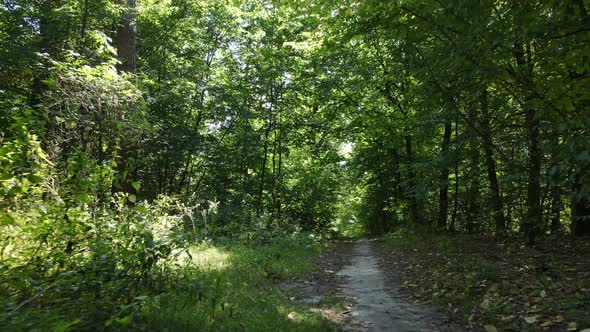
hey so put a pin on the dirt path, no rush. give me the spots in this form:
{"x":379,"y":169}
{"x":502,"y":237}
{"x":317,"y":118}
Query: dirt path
{"x":379,"y":304}
{"x":354,"y":273}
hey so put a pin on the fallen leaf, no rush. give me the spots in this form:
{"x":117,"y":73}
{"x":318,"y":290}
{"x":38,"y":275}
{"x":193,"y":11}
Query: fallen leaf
{"x":531,"y":319}
{"x":490,"y":328}
{"x":572,"y":326}
{"x":485,"y":304}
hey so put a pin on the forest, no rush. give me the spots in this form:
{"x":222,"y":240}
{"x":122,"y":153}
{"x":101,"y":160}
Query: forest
{"x":169,"y":165}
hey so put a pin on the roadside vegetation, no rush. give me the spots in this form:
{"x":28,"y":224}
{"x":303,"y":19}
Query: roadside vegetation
{"x":221,"y":286}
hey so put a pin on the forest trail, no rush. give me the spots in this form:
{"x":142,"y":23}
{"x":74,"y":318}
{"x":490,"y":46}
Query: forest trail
{"x":355,"y":273}
{"x":379,"y":304}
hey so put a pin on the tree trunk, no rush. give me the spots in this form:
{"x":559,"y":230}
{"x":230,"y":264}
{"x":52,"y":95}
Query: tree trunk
{"x":280,"y":170}
{"x":497,"y":204}
{"x":127,"y":37}
{"x":46,"y":42}
{"x":533,"y":221}
{"x":413,"y":201}
{"x":444,"y":179}
{"x":473,"y":194}
{"x":534,"y":216}
{"x":274,"y":176}
{"x":259,"y":207}
{"x":580,"y":209}
{"x":581,"y":217}
{"x":555,"y":190}
{"x":452,"y":226}
{"x":555,"y":209}
{"x":84,"y":24}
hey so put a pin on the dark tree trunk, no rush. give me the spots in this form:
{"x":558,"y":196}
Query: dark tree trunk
{"x":581,"y":217}
{"x":580,"y":209}
{"x":259,"y":206}
{"x":413,"y":201}
{"x":555,"y":190}
{"x":126,"y":42}
{"x":84,"y":24}
{"x":274,"y":176}
{"x":534,"y":216}
{"x":47,"y":42}
{"x":452,"y":226}
{"x":474,"y":186}
{"x":473,"y":195}
{"x":497,"y":204}
{"x":555,"y":209}
{"x":444,"y":179}
{"x":533,"y":221}
{"x":127,"y":37}
{"x":280,"y":171}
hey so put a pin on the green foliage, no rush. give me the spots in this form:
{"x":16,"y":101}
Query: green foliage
{"x":228,"y":287}
{"x":23,"y":165}
{"x":462,"y":117}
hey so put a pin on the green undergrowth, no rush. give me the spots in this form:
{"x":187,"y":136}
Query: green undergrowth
{"x":219,"y":285}
{"x":232,"y":287}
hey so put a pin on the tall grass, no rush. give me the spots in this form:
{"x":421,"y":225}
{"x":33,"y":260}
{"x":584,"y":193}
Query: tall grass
{"x":233,"y":287}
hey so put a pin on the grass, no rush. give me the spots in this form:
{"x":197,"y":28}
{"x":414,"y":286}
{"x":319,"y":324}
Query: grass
{"x":218,"y":286}
{"x":234,"y":288}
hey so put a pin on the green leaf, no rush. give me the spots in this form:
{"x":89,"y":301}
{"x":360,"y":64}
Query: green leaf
{"x":125,"y":320}
{"x":33,"y":178}
{"x":6,"y":219}
{"x":63,"y":326}
{"x":84,"y":198}
{"x":15,"y":190}
{"x":135,"y":185}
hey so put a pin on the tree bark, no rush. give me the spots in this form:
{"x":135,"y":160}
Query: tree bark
{"x":555,"y":210}
{"x":280,"y":171}
{"x":497,"y":204}
{"x":259,"y":207}
{"x":444,"y":179}
{"x":581,"y":217}
{"x":452,"y":226}
{"x":580,"y":209}
{"x":555,"y":190}
{"x":127,"y":37}
{"x":474,"y":186}
{"x":533,"y":221}
{"x":413,"y":202}
{"x":534,"y":216}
